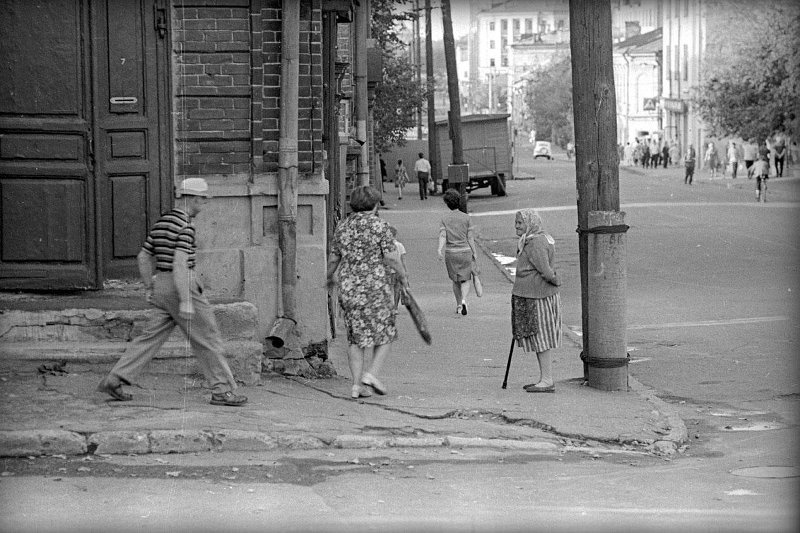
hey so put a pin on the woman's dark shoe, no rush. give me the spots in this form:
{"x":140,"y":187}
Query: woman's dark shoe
{"x":115,"y":391}
{"x":464,"y":309}
{"x":228,"y":398}
{"x":535,"y":387}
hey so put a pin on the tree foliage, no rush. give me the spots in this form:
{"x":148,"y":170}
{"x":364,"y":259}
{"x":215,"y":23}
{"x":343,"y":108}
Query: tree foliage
{"x":548,"y":98}
{"x":752,"y":85}
{"x":397,"y":96}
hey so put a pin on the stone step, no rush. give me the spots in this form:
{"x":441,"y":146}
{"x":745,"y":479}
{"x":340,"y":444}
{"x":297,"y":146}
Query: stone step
{"x":236,"y":320}
{"x":174,"y":357}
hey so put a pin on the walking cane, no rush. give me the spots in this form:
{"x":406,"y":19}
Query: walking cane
{"x":508,"y":366}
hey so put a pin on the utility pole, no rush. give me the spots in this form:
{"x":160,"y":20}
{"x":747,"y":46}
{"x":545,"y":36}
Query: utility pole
{"x":418,"y":53}
{"x":601,"y":228}
{"x":458,"y":172}
{"x":433,"y":141}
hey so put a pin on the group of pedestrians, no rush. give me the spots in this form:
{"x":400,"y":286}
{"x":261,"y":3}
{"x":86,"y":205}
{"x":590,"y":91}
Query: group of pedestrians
{"x":365,"y":264}
{"x":422,"y":171}
{"x":649,"y":153}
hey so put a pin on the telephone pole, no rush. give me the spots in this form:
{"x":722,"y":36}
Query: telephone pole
{"x":433,"y":141}
{"x":458,"y":172}
{"x":418,"y":61}
{"x":601,"y":228}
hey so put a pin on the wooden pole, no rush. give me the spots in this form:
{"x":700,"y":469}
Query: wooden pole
{"x":454,"y":117}
{"x":418,"y":62}
{"x":596,"y":161}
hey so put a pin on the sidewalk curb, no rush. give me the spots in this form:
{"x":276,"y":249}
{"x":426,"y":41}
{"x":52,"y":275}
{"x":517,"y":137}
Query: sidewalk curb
{"x":677,"y":434}
{"x":36,"y":443}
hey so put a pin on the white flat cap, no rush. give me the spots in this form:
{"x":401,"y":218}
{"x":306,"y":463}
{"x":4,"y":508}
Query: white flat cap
{"x":193,"y":187}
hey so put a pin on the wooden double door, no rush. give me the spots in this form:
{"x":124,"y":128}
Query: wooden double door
{"x":84,"y":138}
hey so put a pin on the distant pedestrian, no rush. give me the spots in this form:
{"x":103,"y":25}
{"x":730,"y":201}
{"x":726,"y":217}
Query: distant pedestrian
{"x":400,"y":178}
{"x":761,"y":172}
{"x":457,"y":249}
{"x":733,"y":158}
{"x":362,"y":254}
{"x":711,"y":159}
{"x":645,"y":155}
{"x":665,"y":154}
{"x":177,"y":296}
{"x":535,"y":299}
{"x":689,"y":161}
{"x":423,"y":169}
{"x":655,"y":154}
{"x":749,"y":154}
{"x":674,"y":153}
{"x":780,"y":156}
{"x":628,"y":154}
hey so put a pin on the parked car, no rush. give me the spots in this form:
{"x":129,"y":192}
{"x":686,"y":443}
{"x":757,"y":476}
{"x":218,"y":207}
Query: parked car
{"x":542,"y":149}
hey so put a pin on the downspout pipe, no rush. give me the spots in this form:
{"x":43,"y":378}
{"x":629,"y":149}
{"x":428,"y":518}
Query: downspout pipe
{"x":285,"y":324}
{"x":360,"y":89}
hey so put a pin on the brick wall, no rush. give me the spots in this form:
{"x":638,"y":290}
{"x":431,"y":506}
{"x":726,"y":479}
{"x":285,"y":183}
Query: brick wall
{"x":227,"y":61}
{"x":212,"y":107}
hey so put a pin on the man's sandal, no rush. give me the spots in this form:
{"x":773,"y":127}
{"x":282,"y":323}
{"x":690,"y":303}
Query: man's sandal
{"x":114,"y":392}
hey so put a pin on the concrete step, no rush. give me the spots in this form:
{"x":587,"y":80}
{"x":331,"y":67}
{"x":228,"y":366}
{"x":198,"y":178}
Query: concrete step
{"x":93,"y":339}
{"x":236,"y":320}
{"x":174,"y":357}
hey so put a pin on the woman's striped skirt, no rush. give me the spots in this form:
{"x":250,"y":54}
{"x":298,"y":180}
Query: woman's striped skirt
{"x":536,"y":322}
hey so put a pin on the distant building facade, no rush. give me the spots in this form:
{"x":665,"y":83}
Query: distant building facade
{"x":637,"y":80}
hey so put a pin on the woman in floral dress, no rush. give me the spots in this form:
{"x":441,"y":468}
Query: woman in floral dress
{"x":361,"y":250}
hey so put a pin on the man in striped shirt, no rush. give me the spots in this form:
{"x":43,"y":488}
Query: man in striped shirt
{"x":177,"y":295}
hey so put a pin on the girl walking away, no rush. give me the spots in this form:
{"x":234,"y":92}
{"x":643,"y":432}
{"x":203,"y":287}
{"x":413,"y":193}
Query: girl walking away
{"x":457,"y":248}
{"x":399,"y":291}
{"x":400,"y":178}
{"x":535,"y":299}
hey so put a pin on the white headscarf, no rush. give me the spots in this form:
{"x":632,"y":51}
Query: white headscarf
{"x":533,"y":227}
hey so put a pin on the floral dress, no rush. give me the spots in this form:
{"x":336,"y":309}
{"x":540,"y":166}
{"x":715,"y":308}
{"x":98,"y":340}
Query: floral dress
{"x":365,"y":290}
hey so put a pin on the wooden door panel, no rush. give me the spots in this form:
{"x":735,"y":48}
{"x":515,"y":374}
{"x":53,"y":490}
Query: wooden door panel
{"x":128,"y":152}
{"x":47,"y":214}
{"x":39,"y":79}
{"x":46,"y":180}
{"x":129,"y":207}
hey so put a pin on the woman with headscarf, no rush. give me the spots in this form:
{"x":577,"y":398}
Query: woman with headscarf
{"x":362,"y":249}
{"x":535,"y":300}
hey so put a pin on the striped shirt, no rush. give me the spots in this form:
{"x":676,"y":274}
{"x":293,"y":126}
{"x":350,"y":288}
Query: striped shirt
{"x":173,"y":231}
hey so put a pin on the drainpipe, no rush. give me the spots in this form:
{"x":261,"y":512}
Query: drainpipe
{"x":360,"y":92}
{"x":287,"y":173}
{"x":627,"y":57}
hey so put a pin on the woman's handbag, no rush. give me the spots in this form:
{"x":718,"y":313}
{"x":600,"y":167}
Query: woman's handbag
{"x":476,"y":282}
{"x":416,"y":316}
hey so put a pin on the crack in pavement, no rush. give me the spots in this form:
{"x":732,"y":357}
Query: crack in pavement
{"x":484,"y":415}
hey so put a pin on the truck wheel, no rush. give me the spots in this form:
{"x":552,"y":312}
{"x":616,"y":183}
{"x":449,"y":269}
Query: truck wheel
{"x":499,"y":185}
